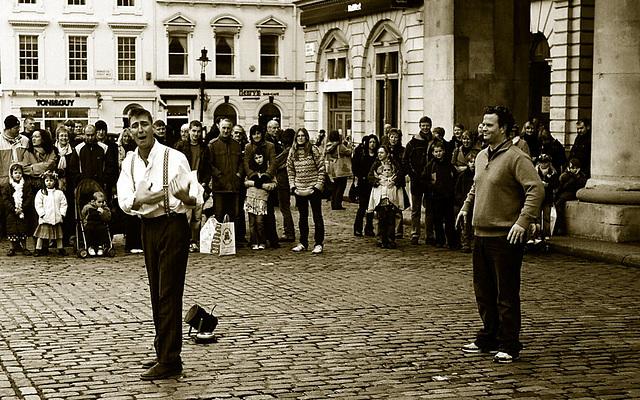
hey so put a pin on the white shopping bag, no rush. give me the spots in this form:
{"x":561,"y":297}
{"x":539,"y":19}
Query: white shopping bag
{"x":218,"y":237}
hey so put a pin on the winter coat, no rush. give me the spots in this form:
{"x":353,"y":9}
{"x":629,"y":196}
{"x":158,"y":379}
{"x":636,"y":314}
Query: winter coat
{"x":416,"y":156}
{"x":226,"y":165}
{"x":16,"y":225}
{"x":52,"y":207}
{"x":441,"y":177}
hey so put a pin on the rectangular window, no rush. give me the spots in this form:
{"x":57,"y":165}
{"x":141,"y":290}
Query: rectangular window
{"x":28,"y":57}
{"x":76,"y":2}
{"x":178,"y":55}
{"x":77,"y":58}
{"x":26,"y":1}
{"x":224,"y":54}
{"x":337,"y":68}
{"x":126,"y":3}
{"x":269,"y":55}
{"x":126,"y":58}
{"x":387,"y":63}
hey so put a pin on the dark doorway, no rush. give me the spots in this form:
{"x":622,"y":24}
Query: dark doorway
{"x":539,"y":79}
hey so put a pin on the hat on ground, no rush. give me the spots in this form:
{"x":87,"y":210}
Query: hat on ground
{"x":11,"y":121}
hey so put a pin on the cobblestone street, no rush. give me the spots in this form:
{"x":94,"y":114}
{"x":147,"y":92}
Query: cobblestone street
{"x":356,"y":322}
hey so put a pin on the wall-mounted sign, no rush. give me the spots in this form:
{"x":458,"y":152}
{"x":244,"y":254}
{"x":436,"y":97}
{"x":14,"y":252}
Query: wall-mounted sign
{"x":103,"y":74}
{"x":55,"y":102}
{"x":354,"y":7}
{"x":249,"y":92}
{"x":310,"y":49}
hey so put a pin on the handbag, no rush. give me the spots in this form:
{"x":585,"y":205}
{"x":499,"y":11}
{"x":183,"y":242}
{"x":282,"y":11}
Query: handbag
{"x":353,"y":192}
{"x":340,"y":166}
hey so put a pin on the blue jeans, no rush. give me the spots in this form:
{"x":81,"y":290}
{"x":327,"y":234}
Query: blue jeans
{"x":496,"y":282}
{"x":419,"y":200}
{"x":303,"y":202}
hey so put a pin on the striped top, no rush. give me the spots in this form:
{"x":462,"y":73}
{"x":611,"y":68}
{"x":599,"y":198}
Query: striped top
{"x":306,"y":172}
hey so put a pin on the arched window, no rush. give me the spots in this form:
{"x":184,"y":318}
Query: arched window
{"x":267,"y":113}
{"x":225,"y":111}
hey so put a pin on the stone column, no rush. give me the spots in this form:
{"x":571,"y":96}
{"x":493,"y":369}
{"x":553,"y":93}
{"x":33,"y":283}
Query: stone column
{"x":609,"y":206}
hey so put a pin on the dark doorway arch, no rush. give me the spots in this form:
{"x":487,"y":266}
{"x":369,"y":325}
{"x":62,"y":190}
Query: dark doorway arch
{"x":539,"y":79}
{"x":225,"y":110}
{"x":267,"y":113}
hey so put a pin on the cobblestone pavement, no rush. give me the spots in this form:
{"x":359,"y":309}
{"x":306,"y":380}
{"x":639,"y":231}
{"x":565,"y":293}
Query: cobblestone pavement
{"x":356,"y":322}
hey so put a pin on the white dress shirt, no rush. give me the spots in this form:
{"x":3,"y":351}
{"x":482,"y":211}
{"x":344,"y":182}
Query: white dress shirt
{"x":153,"y":174}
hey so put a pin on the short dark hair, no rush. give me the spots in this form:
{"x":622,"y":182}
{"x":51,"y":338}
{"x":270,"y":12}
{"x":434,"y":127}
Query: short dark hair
{"x":139,"y":112}
{"x":195,"y":123}
{"x":287,"y":136}
{"x":425,"y":119}
{"x":575,"y":162}
{"x":585,"y":121}
{"x":505,"y":118}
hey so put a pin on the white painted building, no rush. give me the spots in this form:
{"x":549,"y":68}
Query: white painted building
{"x":94,"y":59}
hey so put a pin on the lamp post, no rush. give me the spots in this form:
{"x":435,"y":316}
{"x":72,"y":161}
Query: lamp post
{"x":204,"y":60}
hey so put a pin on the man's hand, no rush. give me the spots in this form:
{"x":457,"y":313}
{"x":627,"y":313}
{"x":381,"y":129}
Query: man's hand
{"x":516,"y":234}
{"x":461,"y":219}
{"x":144,"y":195}
{"x":179,"y":188}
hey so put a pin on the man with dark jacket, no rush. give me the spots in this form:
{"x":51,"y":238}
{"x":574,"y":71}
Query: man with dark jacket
{"x":416,"y":156}
{"x":581,"y":148}
{"x":226,"y":173}
{"x":92,"y":161}
{"x":112,"y":155}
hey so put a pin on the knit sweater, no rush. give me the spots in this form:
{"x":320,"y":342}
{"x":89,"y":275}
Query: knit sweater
{"x":307,"y":171}
{"x":506,"y":190}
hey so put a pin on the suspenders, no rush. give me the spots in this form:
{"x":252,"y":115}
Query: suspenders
{"x":165,"y":179}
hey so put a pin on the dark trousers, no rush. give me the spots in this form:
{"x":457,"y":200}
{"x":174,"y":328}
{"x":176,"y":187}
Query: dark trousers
{"x":165,"y":241}
{"x":227,"y":204}
{"x":337,"y":195}
{"x":132,"y":228}
{"x":303,"y":202}
{"x":496,"y":282}
{"x":241,"y":223}
{"x":270,"y":220}
{"x":387,"y":223}
{"x":284,"y":201}
{"x":444,"y":221}
{"x":256,"y":229}
{"x":364,"y":192}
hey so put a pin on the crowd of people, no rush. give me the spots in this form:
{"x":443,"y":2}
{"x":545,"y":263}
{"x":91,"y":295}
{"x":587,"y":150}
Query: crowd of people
{"x":247,"y":176}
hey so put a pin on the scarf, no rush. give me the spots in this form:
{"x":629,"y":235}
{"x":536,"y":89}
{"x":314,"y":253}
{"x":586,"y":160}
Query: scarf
{"x":11,"y":140}
{"x":17,"y":194}
{"x":63,"y":151}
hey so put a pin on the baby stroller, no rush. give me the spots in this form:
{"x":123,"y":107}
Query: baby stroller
{"x":83,"y":194}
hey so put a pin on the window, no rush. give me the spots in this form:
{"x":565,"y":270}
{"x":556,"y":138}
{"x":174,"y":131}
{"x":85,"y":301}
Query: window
{"x":26,"y":1}
{"x":126,"y":3}
{"x":224,"y":54}
{"x":269,"y":55}
{"x":337,"y":68}
{"x":387,"y":88}
{"x":77,"y":58}
{"x":178,"y":55}
{"x":77,"y":2}
{"x":126,"y":58}
{"x":28,"y":57}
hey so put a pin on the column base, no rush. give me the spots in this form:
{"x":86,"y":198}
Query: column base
{"x":607,"y":222}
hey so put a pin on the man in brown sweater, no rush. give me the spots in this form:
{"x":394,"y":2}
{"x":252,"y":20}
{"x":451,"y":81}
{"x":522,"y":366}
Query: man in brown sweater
{"x":506,"y":197}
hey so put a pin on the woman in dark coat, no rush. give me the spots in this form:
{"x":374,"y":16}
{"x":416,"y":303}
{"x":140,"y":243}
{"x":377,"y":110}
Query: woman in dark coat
{"x":363,"y":158}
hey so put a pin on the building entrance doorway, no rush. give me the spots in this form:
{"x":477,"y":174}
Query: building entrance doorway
{"x":539,"y":79}
{"x":340,"y":113}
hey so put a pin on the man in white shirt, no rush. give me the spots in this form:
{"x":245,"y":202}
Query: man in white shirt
{"x":155,"y":184}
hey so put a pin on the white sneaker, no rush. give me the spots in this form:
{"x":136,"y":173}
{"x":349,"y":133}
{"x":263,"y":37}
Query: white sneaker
{"x":317,"y":249}
{"x":261,"y":247}
{"x":300,"y":247}
{"x":100,"y":251}
{"x":255,"y":247}
{"x":92,"y":251}
{"x":136,"y":251}
{"x":505,"y":358}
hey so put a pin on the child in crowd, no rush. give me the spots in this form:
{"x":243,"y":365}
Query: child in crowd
{"x":571,"y":181}
{"x":387,"y":197}
{"x":51,"y":207}
{"x":17,"y":197}
{"x":258,"y":187}
{"x":441,"y":176}
{"x":463,"y":185}
{"x":95,"y":216}
{"x":550,"y":180}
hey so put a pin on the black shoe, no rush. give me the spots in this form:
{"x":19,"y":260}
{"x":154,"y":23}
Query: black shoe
{"x":338,"y":208}
{"x":357,"y":233}
{"x":287,"y":239}
{"x":274,"y":245}
{"x":162,"y":371}
{"x":36,"y":252}
{"x":26,"y":252}
{"x":63,"y":252}
{"x":393,"y":245}
{"x":149,"y":362}
{"x":11,"y":252}
{"x":369,"y":233}
{"x":414,"y":241}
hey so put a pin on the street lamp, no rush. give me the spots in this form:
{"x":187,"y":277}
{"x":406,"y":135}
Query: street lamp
{"x":204,"y":60}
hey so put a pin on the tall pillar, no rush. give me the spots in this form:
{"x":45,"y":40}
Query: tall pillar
{"x":476,"y":53}
{"x":610,"y":204}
